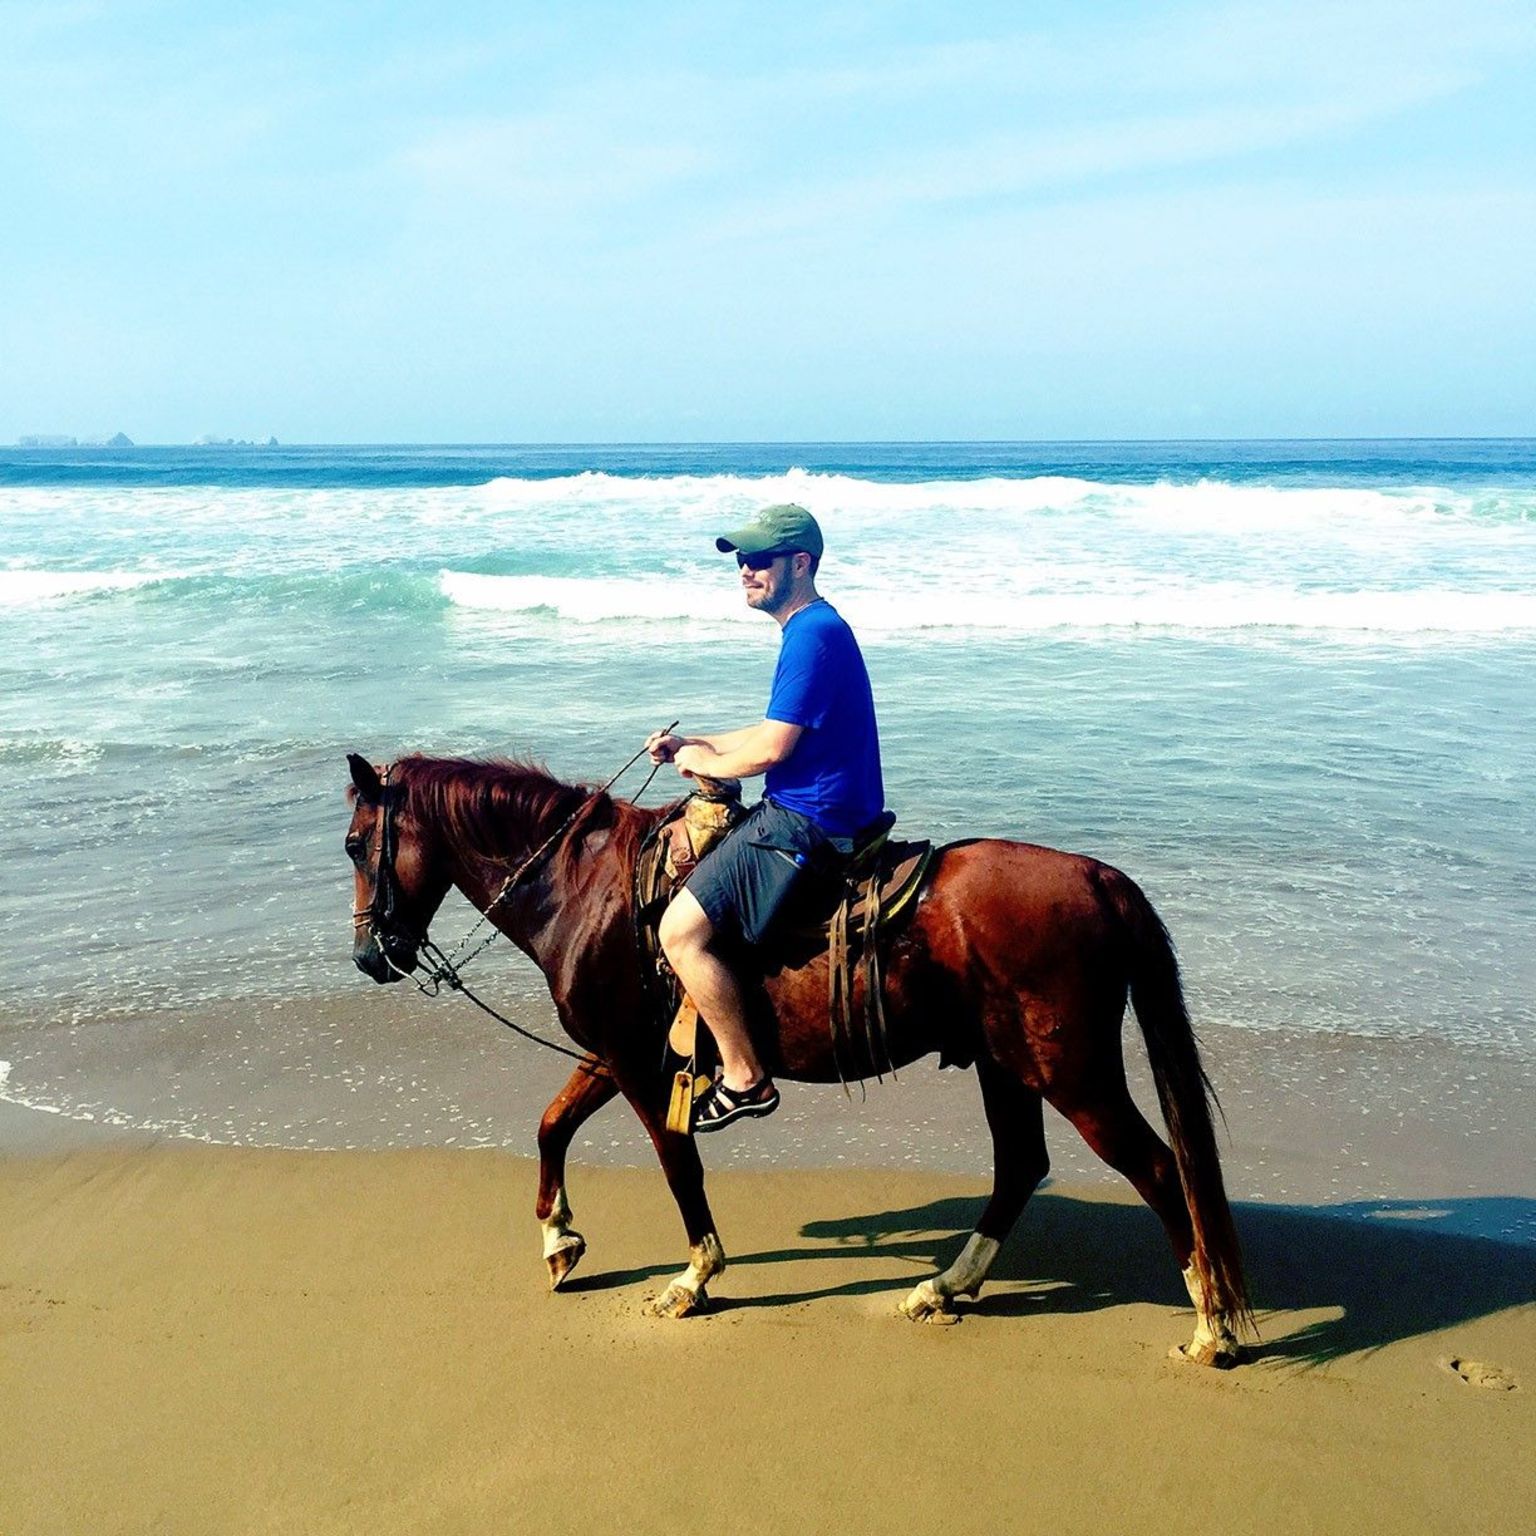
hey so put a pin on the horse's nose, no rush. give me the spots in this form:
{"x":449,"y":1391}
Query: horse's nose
{"x":369,"y":959}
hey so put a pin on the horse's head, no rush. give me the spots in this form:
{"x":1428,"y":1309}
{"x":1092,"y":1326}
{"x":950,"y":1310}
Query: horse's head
{"x":398,"y":886}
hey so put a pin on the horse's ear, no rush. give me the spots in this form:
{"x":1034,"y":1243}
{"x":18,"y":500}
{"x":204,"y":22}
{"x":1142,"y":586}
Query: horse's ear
{"x":365,"y":777}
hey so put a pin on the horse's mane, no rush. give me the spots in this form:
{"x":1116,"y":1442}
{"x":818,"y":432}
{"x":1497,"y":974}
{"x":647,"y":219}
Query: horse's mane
{"x":488,"y":806}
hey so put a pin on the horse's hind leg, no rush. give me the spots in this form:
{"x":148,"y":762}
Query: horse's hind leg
{"x":1109,"y":1121}
{"x":589,"y":1087}
{"x":1020,"y":1161}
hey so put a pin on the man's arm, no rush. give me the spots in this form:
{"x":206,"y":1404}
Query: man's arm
{"x":663,"y":747}
{"x":723,"y":741}
{"x":739,"y":754}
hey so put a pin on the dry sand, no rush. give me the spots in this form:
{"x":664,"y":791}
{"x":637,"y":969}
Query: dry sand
{"x":223,"y":1340}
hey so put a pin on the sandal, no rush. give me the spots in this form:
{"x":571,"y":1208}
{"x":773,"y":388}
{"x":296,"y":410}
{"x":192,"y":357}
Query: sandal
{"x":718,"y":1105}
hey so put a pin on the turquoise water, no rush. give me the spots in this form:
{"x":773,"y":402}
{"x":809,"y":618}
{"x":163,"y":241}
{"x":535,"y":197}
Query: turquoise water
{"x":1286,"y":686}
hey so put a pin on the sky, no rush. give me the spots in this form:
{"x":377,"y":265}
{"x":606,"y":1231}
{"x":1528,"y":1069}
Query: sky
{"x":639,"y":222}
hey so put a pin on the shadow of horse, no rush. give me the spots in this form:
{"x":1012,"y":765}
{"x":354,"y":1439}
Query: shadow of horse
{"x":1382,"y":1271}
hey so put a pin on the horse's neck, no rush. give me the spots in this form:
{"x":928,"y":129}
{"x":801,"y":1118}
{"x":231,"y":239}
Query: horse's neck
{"x":482,"y":877}
{"x":538,"y":911}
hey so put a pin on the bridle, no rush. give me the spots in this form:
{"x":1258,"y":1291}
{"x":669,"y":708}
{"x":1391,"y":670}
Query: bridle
{"x":379,"y":914}
{"x":383,"y":923}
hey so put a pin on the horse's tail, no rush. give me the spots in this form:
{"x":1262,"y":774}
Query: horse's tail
{"x":1185,"y":1095}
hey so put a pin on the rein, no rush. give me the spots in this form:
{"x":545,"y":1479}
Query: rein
{"x":446,"y":968}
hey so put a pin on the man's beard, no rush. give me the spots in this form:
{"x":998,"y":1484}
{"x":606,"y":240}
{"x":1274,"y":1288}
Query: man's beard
{"x":771,"y":599}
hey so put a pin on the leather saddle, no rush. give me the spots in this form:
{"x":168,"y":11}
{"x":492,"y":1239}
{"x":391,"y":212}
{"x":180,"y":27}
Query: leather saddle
{"x":870,"y":893}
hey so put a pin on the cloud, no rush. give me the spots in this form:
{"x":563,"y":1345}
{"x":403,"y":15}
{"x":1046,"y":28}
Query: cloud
{"x":862,"y":137}
{"x":550,"y":162}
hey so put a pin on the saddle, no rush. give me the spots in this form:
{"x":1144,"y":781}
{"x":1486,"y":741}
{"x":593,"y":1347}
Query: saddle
{"x":868,"y":895}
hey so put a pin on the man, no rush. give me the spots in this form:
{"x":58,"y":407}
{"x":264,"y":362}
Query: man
{"x":818,"y":747}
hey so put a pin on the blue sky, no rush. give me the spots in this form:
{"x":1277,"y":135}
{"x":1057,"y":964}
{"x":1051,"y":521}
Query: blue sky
{"x":602,"y":222}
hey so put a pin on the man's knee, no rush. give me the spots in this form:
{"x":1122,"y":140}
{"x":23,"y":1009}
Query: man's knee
{"x":685,"y":927}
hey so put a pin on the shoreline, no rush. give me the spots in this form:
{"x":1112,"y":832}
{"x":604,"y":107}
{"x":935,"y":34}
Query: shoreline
{"x":1324,"y":1123}
{"x":256,"y":1340}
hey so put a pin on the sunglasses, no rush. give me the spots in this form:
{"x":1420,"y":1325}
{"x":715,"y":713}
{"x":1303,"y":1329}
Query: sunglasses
{"x":762,"y":562}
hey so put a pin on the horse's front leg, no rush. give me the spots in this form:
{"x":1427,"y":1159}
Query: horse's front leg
{"x":687,"y":1293}
{"x":590,"y":1086}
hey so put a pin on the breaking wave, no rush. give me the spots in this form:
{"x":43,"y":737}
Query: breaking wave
{"x":1222,"y":504}
{"x":1195,"y":608}
{"x":876,"y":599}
{"x":325,"y":591}
{"x":20,"y":589}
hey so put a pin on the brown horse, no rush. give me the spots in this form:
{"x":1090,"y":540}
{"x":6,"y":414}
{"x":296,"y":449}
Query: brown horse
{"x":1016,"y":957}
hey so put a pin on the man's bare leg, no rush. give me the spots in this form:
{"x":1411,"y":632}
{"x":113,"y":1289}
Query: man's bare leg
{"x":685,"y":935}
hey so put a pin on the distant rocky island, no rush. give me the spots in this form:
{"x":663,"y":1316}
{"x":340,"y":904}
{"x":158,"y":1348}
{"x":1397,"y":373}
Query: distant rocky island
{"x":122,"y":440}
{"x":59,"y":440}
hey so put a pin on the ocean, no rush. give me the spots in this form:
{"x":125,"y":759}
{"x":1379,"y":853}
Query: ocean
{"x":1285,"y":685}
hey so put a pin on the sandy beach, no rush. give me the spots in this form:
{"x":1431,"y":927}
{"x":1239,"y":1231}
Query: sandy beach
{"x":204,"y":1339}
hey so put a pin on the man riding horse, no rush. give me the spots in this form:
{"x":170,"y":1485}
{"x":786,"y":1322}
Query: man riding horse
{"x":819,"y":750}
{"x":1017,"y":959}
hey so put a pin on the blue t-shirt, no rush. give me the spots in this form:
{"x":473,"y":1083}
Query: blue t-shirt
{"x":820,"y":683}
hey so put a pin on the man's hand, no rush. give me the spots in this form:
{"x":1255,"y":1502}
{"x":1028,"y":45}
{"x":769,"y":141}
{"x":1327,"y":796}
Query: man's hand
{"x":693,"y":758}
{"x":662,"y":746}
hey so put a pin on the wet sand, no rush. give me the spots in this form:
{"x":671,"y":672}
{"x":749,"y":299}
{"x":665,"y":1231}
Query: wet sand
{"x":220,"y":1339}
{"x":1329,"y":1123}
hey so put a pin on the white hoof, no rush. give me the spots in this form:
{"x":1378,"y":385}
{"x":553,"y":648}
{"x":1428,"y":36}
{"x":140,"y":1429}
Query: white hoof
{"x":564,"y":1255}
{"x":1220,"y":1357}
{"x":1215,"y":1343}
{"x":927,"y":1304}
{"x":933,"y":1300}
{"x":686,"y":1295}
{"x":678,"y":1301}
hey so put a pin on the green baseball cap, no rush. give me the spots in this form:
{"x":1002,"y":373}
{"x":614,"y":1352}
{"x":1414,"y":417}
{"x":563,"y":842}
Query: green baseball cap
{"x":779,"y":530}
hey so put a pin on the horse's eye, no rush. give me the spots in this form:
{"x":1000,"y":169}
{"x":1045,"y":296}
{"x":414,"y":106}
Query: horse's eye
{"x":355,"y":847}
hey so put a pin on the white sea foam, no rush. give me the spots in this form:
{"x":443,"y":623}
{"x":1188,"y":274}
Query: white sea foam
{"x":845,"y":493}
{"x":21,"y":587}
{"x":351,"y":511}
{"x":1204,"y":504}
{"x":588,"y":600}
{"x":875,"y":609}
{"x":65,"y":751}
{"x":183,"y":1128}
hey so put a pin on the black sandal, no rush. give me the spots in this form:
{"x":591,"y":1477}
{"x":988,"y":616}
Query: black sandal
{"x":718,"y":1105}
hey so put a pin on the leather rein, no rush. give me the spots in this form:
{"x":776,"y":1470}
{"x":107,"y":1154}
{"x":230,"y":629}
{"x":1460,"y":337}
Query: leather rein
{"x":382,"y":922}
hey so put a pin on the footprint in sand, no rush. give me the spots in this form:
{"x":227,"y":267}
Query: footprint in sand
{"x":1478,"y":1374}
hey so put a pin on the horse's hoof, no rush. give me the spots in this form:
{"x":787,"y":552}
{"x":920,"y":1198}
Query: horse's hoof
{"x":926,"y":1305}
{"x":1218,"y":1357}
{"x":678,"y":1301}
{"x":567,"y":1255}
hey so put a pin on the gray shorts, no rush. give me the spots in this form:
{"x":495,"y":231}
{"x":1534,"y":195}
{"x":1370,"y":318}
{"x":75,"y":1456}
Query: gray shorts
{"x":745,"y":882}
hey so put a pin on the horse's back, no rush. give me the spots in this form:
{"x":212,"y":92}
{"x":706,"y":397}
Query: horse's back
{"x":1027,"y":887}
